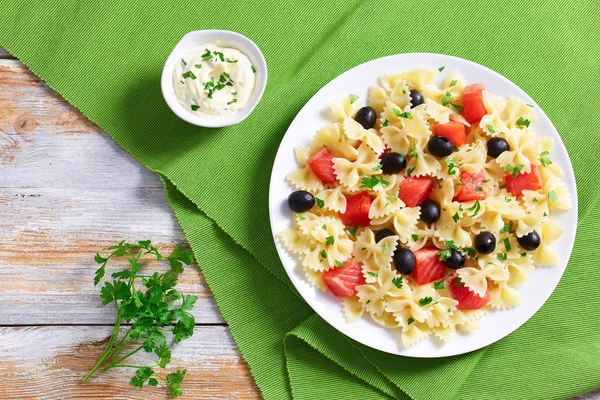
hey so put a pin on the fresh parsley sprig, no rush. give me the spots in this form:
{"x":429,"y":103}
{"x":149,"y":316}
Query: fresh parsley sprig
{"x":146,"y":302}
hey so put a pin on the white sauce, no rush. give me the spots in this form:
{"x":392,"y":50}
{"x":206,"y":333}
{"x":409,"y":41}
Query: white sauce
{"x":211,"y":81}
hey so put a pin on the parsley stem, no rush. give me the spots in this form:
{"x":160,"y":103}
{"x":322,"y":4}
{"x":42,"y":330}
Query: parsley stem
{"x":108,"y":350}
{"x":159,"y":377}
{"x":115,"y":363}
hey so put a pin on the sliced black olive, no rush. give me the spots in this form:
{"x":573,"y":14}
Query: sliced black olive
{"x":456,"y":260}
{"x":301,"y":201}
{"x":416,"y":98}
{"x":439,"y":146}
{"x":497,"y":146}
{"x":392,"y":163}
{"x":430,"y":211}
{"x":531,"y":241}
{"x":382,"y":234}
{"x":485,"y":242}
{"x":404,"y":261}
{"x":366,"y":116}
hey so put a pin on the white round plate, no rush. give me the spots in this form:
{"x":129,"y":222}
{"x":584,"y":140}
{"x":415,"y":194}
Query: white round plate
{"x":495,"y":324}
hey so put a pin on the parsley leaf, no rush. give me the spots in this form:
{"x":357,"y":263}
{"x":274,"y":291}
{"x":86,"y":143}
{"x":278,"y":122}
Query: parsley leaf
{"x":451,"y":166}
{"x":523,"y":122}
{"x":415,"y":237}
{"x":410,"y":321}
{"x":323,"y":253}
{"x":207,"y":55}
{"x":507,"y":244}
{"x":508,"y":228}
{"x":329,"y":241}
{"x":545,"y":160}
{"x":441,"y":69}
{"x":514,"y":170}
{"x":552,"y":196}
{"x":409,"y":171}
{"x":198,"y":66}
{"x":372,"y":274}
{"x":352,"y":231}
{"x":446,"y":99}
{"x":377,"y":168}
{"x":425,"y":301}
{"x":438,"y":285}
{"x":385,"y":122}
{"x":475,"y":208}
{"x":453,"y":83}
{"x":456,"y":217}
{"x":253,"y":69}
{"x":320,"y":202}
{"x":405,"y":114}
{"x":372,"y":181}
{"x":339,"y":264}
{"x":470,"y":252}
{"x":490,"y":128}
{"x":353,"y":98}
{"x":195,"y":107}
{"x":189,"y":74}
{"x":502,"y":256}
{"x":397,"y":282}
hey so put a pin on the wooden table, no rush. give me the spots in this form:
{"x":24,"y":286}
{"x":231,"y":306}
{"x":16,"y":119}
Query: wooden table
{"x":66,"y":191}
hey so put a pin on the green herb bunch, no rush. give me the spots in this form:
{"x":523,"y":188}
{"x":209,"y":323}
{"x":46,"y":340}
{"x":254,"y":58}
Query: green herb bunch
{"x":152,"y":307}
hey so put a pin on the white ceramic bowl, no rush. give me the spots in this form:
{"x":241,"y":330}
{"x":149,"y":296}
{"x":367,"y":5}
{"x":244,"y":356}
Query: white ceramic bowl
{"x":494,"y":325}
{"x":225,"y":39}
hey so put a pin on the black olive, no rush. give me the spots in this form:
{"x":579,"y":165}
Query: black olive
{"x":300,"y":201}
{"x":531,"y":241}
{"x":416,"y":98}
{"x":456,"y":260}
{"x":439,"y":146}
{"x":392,"y":163}
{"x":366,"y":116}
{"x":485,"y":242}
{"x":497,"y":146}
{"x":430,"y":211}
{"x":382,"y":234}
{"x":404,"y":260}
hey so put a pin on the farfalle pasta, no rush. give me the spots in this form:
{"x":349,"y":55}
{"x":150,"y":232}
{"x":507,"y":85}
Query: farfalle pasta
{"x":426,"y":208}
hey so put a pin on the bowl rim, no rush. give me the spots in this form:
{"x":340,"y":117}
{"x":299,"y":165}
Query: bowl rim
{"x":231,"y":39}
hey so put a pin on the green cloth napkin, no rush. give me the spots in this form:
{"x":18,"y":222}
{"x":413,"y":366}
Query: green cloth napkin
{"x":106,"y":59}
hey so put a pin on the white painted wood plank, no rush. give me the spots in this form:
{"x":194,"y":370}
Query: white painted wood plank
{"x":47,"y":363}
{"x":44,"y":142}
{"x":48,"y":238}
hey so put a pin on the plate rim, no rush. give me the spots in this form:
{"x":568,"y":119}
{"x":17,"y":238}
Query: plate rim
{"x":568,"y":175}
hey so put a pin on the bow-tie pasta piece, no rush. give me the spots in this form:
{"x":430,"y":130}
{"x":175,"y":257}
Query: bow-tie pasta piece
{"x":332,"y":138}
{"x":346,"y":107}
{"x":303,"y":178}
{"x":370,"y":137}
{"x":349,"y":173}
{"x":374,"y":254}
{"x":333,"y":199}
{"x":477,"y":279}
{"x":392,"y":88}
{"x":518,"y":114}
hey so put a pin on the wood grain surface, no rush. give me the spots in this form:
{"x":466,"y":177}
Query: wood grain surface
{"x":66,"y":191}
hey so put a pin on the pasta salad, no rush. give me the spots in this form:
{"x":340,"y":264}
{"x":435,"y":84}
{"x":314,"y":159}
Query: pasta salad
{"x":427,"y":207}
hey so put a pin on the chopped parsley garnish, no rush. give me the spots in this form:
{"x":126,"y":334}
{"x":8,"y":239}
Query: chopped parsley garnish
{"x":363,"y":248}
{"x":485,"y":180}
{"x":459,"y":283}
{"x":352,"y":231}
{"x":368,"y":301}
{"x":415,"y":237}
{"x":385,"y":122}
{"x":353,"y":98}
{"x":552,"y":196}
{"x":410,"y":321}
{"x":452,"y":83}
{"x":385,"y":247}
{"x":198,"y":66}
{"x":446,"y":99}
{"x":545,"y":214}
{"x":371,"y":181}
{"x":438,"y":285}
{"x":508,"y":228}
{"x":535,"y":200}
{"x":195,"y":107}
{"x":397,"y":282}
{"x":405,"y":114}
{"x":451,"y":166}
{"x":502,"y":256}
{"x":372,"y":274}
{"x":183,"y":62}
{"x":253,"y":69}
{"x":339,"y":263}
{"x":456,"y":217}
{"x":441,"y":69}
{"x":507,"y":244}
{"x":545,"y":160}
{"x":529,"y":105}
{"x":514,"y":170}
{"x":383,"y":299}
{"x":301,"y":217}
{"x":478,"y":188}
{"x":455,"y":108}
{"x":220,"y":55}
{"x":447,"y":253}
{"x":475,"y":208}
{"x":403,"y":91}
{"x":211,"y":86}
{"x":377,"y":168}
{"x":470,"y":252}
{"x":329,"y":241}
{"x":231,"y":61}
{"x":324,"y":253}
{"x":409,"y":171}
{"x":523,"y":254}
{"x":207,"y":55}
{"x":320,"y":202}
{"x":523,"y":122}
{"x":189,"y":74}
{"x":233,"y":93}
{"x":232,"y":101}
{"x":324,"y":227}
{"x":490,"y":128}
{"x":425,"y":300}
{"x":507,"y":199}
